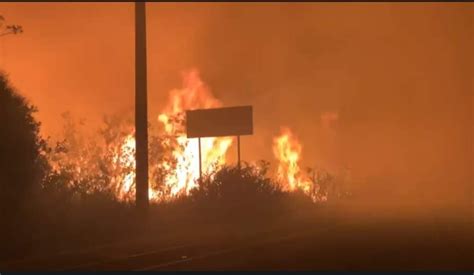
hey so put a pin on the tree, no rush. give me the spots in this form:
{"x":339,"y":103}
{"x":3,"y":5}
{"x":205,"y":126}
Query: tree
{"x":22,"y":163}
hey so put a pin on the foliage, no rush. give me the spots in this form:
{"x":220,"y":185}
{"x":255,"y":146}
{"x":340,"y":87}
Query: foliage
{"x":22,"y":162}
{"x":330,"y":186}
{"x":79,"y":163}
{"x":102,"y":161}
{"x":9,"y":29}
{"x":229,"y":182}
{"x":76,"y":180}
{"x":23,"y":165}
{"x":241,"y":194}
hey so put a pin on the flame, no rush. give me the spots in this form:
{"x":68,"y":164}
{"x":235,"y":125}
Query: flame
{"x":182,"y":169}
{"x":193,"y":95}
{"x":287,"y":151}
{"x":182,"y":172}
{"x":126,"y":160}
{"x":174,"y":161}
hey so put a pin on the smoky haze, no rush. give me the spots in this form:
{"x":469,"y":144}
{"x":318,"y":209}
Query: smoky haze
{"x":385,"y":88}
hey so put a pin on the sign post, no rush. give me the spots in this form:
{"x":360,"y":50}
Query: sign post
{"x":231,"y":121}
{"x":200,"y":162}
{"x":238,"y":151}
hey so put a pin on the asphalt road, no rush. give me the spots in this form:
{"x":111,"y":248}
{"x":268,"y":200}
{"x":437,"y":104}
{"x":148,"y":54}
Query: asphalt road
{"x":340,"y":244}
{"x":343,"y":249}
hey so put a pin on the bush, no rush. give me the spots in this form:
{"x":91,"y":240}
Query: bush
{"x":21,"y":162}
{"x":246,"y":194}
{"x":67,"y":192}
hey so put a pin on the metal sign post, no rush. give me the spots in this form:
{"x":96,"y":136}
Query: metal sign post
{"x":238,"y":151}
{"x":200,"y":163}
{"x":231,"y":121}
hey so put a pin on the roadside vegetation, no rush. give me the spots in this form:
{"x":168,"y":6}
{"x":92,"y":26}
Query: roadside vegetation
{"x":63,"y":194}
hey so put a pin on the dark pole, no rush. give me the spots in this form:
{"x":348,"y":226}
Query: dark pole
{"x":141,"y":121}
{"x":200,"y":165}
{"x":238,"y":152}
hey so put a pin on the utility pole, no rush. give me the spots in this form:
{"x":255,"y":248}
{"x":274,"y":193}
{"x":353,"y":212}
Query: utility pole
{"x":141,"y":110}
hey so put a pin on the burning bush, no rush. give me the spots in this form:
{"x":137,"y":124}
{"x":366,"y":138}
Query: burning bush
{"x":106,"y":163}
{"x":90,"y":178}
{"x":83,"y":165}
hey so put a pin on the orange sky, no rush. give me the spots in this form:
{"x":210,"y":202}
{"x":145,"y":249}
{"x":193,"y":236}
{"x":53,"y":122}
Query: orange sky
{"x":398,"y":74}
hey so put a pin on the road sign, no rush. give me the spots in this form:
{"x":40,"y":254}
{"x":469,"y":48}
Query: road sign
{"x":231,"y":121}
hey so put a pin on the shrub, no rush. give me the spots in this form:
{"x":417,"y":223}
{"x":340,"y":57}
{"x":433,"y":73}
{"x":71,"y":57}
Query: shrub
{"x":21,"y":162}
{"x":235,"y":194}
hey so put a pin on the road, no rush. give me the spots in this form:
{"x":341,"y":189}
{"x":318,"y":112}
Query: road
{"x":339,"y":244}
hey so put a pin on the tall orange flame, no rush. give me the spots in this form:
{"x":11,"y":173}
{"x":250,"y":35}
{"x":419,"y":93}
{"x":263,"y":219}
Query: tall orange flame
{"x":287,"y":150}
{"x":193,"y":95}
{"x":182,"y":172}
{"x":174,"y":163}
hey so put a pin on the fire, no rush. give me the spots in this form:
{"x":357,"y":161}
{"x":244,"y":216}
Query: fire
{"x":173,"y":160}
{"x":126,"y":159}
{"x":193,"y":95}
{"x":182,"y":171}
{"x":287,"y":151}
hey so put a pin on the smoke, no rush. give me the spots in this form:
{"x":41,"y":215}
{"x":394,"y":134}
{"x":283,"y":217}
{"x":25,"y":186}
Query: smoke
{"x":382,"y":89}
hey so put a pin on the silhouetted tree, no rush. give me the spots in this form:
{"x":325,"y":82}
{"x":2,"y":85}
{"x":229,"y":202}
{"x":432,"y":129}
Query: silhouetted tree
{"x":21,"y":161}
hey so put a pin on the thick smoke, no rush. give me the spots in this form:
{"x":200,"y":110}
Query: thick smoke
{"x":398,"y":77}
